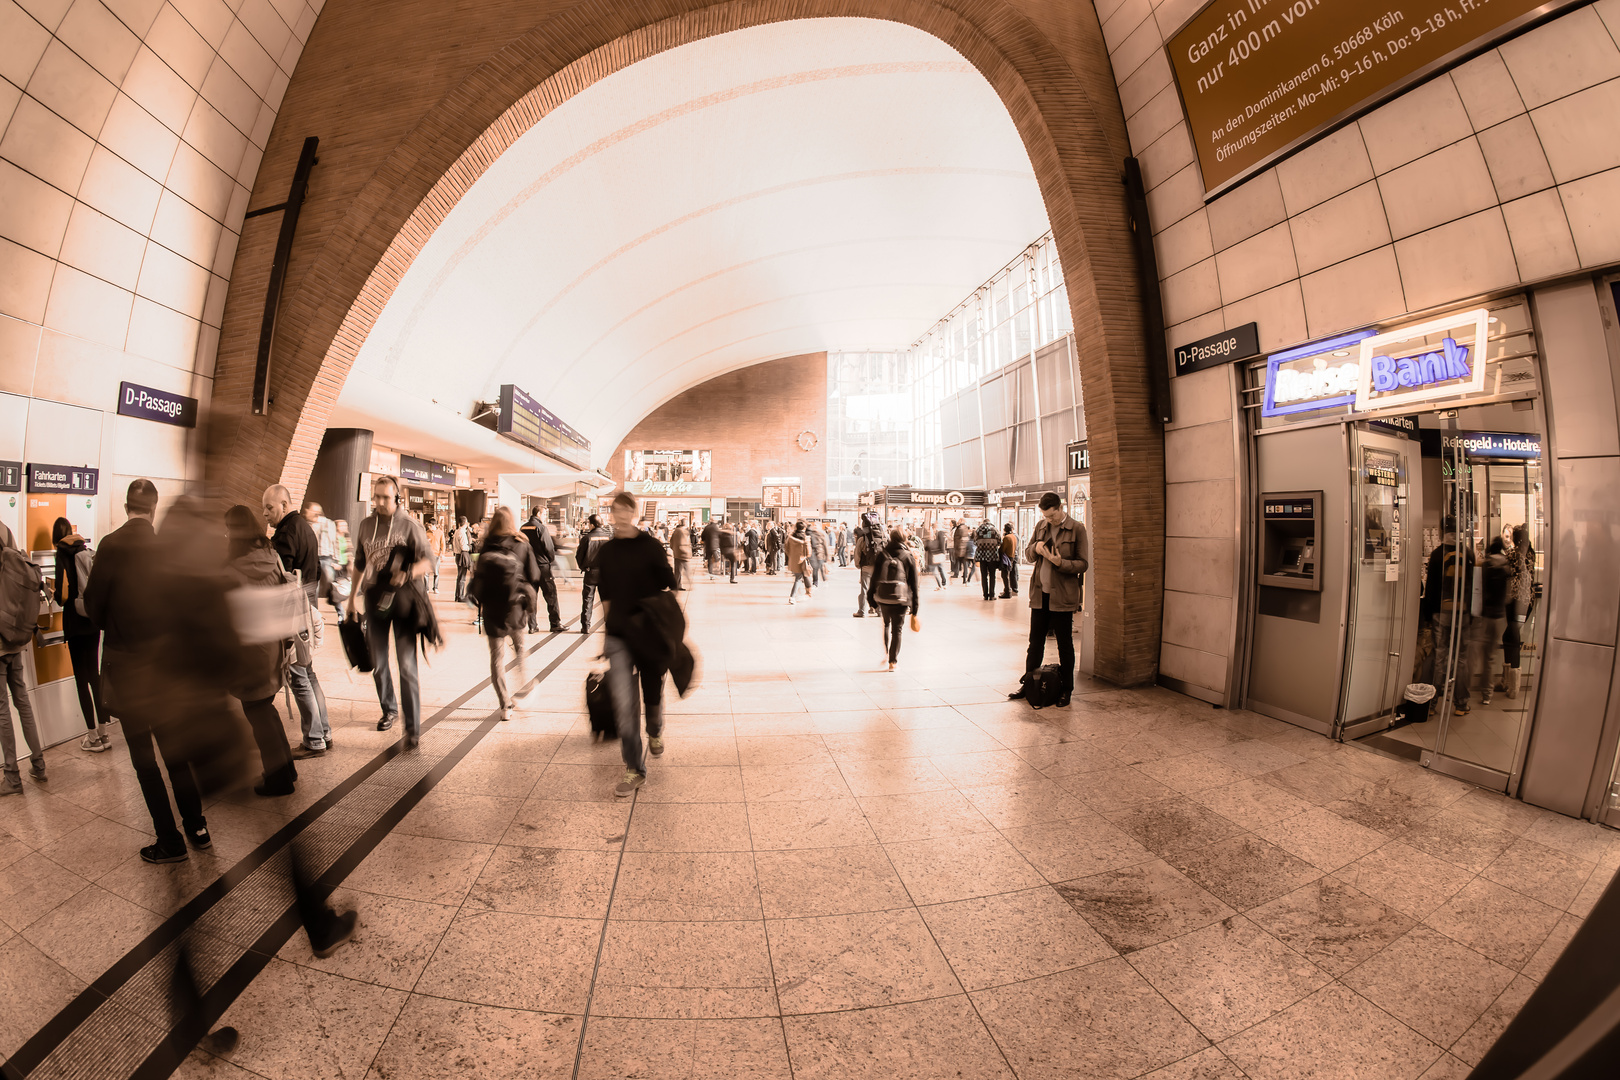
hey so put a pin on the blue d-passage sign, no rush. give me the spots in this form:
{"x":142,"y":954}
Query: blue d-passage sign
{"x":160,"y":405}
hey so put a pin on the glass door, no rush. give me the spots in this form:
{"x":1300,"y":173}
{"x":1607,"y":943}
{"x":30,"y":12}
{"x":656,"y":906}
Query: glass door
{"x":1488,"y":642}
{"x":1383,"y":581}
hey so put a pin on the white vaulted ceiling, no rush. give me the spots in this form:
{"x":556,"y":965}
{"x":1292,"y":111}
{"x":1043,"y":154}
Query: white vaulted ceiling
{"x":810,"y":185}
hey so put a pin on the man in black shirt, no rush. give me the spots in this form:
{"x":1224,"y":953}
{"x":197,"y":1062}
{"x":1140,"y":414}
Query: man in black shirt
{"x":538,"y":534}
{"x":631,"y":567}
{"x":300,"y":550}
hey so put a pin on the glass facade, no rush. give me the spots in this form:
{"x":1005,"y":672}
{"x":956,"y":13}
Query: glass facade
{"x":869,"y":421}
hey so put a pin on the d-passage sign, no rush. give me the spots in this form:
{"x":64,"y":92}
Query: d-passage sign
{"x":1259,"y":78}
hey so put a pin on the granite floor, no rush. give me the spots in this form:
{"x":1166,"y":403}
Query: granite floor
{"x":836,"y":871}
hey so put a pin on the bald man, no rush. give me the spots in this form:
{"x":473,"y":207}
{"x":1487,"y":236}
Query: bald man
{"x":295,"y":542}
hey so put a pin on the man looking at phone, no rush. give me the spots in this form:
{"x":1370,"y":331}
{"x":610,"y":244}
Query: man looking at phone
{"x":1058,"y":549}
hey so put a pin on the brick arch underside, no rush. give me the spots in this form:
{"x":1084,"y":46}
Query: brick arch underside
{"x":1067,"y":113}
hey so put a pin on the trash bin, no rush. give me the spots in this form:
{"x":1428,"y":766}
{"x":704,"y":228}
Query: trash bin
{"x":1414,"y":708}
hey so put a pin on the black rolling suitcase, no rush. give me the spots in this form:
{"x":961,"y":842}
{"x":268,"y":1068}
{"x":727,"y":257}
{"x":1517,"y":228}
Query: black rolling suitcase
{"x":599,"y":703}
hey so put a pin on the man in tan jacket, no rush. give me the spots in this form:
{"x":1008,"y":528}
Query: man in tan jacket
{"x":1059,"y":551}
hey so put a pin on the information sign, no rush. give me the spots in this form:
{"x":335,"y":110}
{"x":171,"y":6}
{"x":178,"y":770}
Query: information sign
{"x":526,"y":421}
{"x":148,"y":403}
{"x":63,"y":479}
{"x":1238,"y":343}
{"x":10,"y":476}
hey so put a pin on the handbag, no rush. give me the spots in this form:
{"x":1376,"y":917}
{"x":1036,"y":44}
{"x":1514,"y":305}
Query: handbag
{"x":916,"y":626}
{"x":355,"y":646}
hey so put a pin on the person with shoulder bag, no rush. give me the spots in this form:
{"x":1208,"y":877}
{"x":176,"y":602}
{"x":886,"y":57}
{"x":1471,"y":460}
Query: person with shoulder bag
{"x":74,"y":562}
{"x":504,"y":585}
{"x":893,"y":591}
{"x":461,"y":544}
{"x":391,"y":557}
{"x":590,"y":541}
{"x":294,"y":540}
{"x":22,"y":590}
{"x":987,"y":552}
{"x":262,"y":667}
{"x":1059,"y":549}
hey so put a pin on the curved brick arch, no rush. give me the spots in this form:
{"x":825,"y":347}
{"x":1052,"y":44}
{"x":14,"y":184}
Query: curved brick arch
{"x":1047,"y":63}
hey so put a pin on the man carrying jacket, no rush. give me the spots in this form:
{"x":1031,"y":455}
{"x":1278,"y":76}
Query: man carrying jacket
{"x":538,"y":534}
{"x":300,"y":550}
{"x":1059,"y":551}
{"x":125,"y":601}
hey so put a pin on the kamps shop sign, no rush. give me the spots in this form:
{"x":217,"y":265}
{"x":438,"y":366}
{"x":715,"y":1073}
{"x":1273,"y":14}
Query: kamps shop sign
{"x":1368,"y":371}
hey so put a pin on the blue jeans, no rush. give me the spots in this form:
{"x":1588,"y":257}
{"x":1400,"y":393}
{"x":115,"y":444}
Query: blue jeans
{"x":312,"y":720}
{"x":622,"y":677}
{"x":11,"y":667}
{"x":409,"y":692}
{"x":866,"y":584}
{"x":800,"y":576}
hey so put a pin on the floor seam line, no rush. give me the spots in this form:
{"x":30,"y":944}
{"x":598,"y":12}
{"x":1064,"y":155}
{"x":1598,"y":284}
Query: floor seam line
{"x":601,"y":941}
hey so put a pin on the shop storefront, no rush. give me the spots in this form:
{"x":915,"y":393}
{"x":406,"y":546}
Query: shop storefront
{"x":1376,"y":456}
{"x":1022,"y":506}
{"x":923,"y":508}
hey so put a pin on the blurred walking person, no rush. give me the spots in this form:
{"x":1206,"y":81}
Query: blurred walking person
{"x":461,"y":546}
{"x":818,"y":552}
{"x":680,"y":548}
{"x":751,"y":548}
{"x":22,"y":592}
{"x":538,"y":533}
{"x":504,"y":585}
{"x":326,"y":537}
{"x":259,"y":673}
{"x":435,"y":535}
{"x":798,"y":561}
{"x":775,"y":541}
{"x":299,"y":550}
{"x":590,"y":542}
{"x":893,"y":590}
{"x":729,"y":550}
{"x":74,"y":561}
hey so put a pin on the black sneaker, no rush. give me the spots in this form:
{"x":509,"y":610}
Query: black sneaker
{"x":385,"y":723}
{"x":301,"y":752}
{"x":556,"y":628}
{"x":1063,"y":702}
{"x":199,"y":837}
{"x":272,"y":791}
{"x":157,"y":853}
{"x":220,"y":1042}
{"x":338,"y":932}
{"x":1016,"y":695}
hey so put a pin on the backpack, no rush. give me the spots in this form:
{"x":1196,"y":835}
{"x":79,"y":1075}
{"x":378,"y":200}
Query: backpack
{"x":1043,"y":686}
{"x":1454,"y":585}
{"x":893,"y":587}
{"x":22,"y":587}
{"x":988,"y":545}
{"x":499,"y":587}
{"x":83,"y":562}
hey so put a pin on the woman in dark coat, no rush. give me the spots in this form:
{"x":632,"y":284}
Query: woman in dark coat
{"x":893,"y":590}
{"x":83,"y":639}
{"x":504,"y":585}
{"x":260,"y":670}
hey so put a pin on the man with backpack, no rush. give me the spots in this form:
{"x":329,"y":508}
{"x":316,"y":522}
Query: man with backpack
{"x":893,"y":591}
{"x":1059,"y":550}
{"x":22,"y":587}
{"x":987,"y":552}
{"x":590,"y":542}
{"x":538,"y":534}
{"x":1447,"y":595}
{"x":300,"y":551}
{"x":867,"y":543}
{"x":504,"y":587}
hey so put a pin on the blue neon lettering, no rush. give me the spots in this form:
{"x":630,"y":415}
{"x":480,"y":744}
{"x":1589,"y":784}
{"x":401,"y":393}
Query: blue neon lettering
{"x":1450,"y":362}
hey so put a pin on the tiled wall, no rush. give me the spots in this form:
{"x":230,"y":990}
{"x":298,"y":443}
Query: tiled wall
{"x":130,"y":134}
{"x":1504,"y":170}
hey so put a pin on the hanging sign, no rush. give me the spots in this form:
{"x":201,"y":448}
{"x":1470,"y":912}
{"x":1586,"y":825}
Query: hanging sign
{"x":65,"y":479}
{"x":160,"y":405}
{"x":1079,"y":458}
{"x":10,"y":476}
{"x":1321,"y":375}
{"x":1239,"y":343}
{"x":1494,"y":444}
{"x":1259,"y":78}
{"x":1441,"y":358}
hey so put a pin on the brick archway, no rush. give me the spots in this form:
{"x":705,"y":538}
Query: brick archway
{"x":1046,"y":61}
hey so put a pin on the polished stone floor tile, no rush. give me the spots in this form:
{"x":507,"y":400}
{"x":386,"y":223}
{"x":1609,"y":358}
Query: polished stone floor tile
{"x":837,"y":962}
{"x":676,"y":970}
{"x":90,"y":931}
{"x":420,"y":868}
{"x":1316,"y":780}
{"x":1137,"y":906}
{"x":583,"y":826}
{"x":616,"y":1048}
{"x":1029,"y":802}
{"x":1170,"y":825}
{"x":34,"y":988}
{"x":1582,"y":839}
{"x":1078,"y":847}
{"x":1244,"y":871}
{"x":500,"y":778}
{"x":1207,"y":1064}
{"x":957,"y":867}
{"x":998,"y":766}
{"x":1252,"y":803}
{"x":828,"y":881}
{"x":1110,"y":790}
{"x":33,"y":886}
{"x":941,"y":1039}
{"x":1506,"y":926}
{"x":1430,"y":983}
{"x":690,"y":784}
{"x":93,"y":849}
{"x":455,"y":815}
{"x":391,"y":945}
{"x":434,"y":1039}
{"x":479,"y":960}
{"x":1103,"y":1021}
{"x":1546,"y":874}
{"x":1252,"y":757}
{"x":1331,"y":924}
{"x":900,"y":776}
{"x":1381,"y":806}
{"x":1332,"y":1035}
{"x":1552,"y":947}
{"x":300,"y":1024}
{"x":922,"y":815}
{"x":793,"y":783}
{"x":1014,"y":936}
{"x":1072,"y":757}
{"x":1228,"y":976}
{"x":558,"y":882}
{"x":1322,"y":838}
{"x":811,"y":824}
{"x":578,"y":783}
{"x":1408,"y":880}
{"x":782,"y":750}
{"x":1457,"y":839}
{"x":686,"y":886}
{"x":1479,"y":1038}
{"x":689,"y":827}
{"x":1189,"y":773}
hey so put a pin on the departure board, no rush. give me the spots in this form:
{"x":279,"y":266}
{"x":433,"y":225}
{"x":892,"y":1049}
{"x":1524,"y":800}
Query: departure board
{"x":525,"y":420}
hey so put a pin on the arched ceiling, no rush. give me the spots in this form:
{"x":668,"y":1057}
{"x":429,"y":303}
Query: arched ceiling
{"x":799,"y":186}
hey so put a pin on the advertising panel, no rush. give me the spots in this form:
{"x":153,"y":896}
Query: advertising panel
{"x":1259,"y":78}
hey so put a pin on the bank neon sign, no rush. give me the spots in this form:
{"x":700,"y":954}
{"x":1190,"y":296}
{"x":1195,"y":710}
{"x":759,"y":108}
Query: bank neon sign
{"x":1321,"y":375}
{"x":1442,"y":358}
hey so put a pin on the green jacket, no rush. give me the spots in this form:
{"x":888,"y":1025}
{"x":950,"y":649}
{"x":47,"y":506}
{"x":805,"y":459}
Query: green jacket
{"x":1062,"y":578}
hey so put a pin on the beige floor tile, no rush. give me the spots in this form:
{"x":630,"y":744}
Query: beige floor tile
{"x":1430,"y":983}
{"x":703,"y":970}
{"x":837,"y":962}
{"x":1332,"y":1035}
{"x":782,"y":750}
{"x":686,"y":886}
{"x":684,"y":1049}
{"x":1110,"y":790}
{"x":34,"y":988}
{"x":91,"y":931}
{"x":957,"y":867}
{"x":1546,"y":874}
{"x":899,"y":776}
{"x":1207,"y":1064}
{"x":828,"y":881}
{"x":455,"y":815}
{"x":1492,"y":919}
{"x":558,"y":882}
{"x":811,"y":824}
{"x":1072,"y":757}
{"x":1331,"y":924}
{"x":1102,"y":1021}
{"x":689,"y":827}
{"x":1457,"y":839}
{"x":1137,"y":906}
{"x":1406,"y":879}
{"x":926,"y":1040}
{"x":434,"y":1039}
{"x":1063,"y":850}
{"x":583,"y":826}
{"x":1552,"y":947}
{"x":420,"y":868}
{"x":478,"y":960}
{"x":577,"y":783}
{"x":1011,"y":937}
{"x":1447,"y":1068}
{"x":1582,"y":839}
{"x":1169,"y":825}
{"x":300,"y":1024}
{"x":1322,"y":838}
{"x":1244,"y":871}
{"x":98,"y":846}
{"x":922,"y":815}
{"x":1029,"y":802}
{"x":793,"y":783}
{"x":33,"y":886}
{"x":1253,"y":757}
{"x":1252,"y":803}
{"x":1479,"y":1038}
{"x":1189,"y":773}
{"x":691,"y":784}
{"x":391,"y":945}
{"x":1228,"y":976}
